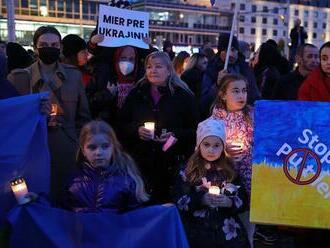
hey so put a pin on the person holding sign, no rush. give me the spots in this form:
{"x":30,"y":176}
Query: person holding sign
{"x":119,"y":44}
{"x":231,"y":108}
{"x":162,"y":98}
{"x":208,"y":194}
{"x":114,"y":75}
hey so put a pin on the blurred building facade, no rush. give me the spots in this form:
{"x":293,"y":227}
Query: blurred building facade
{"x":186,"y":23}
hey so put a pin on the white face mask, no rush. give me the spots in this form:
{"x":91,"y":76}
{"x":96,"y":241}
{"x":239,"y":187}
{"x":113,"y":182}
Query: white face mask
{"x":126,"y":67}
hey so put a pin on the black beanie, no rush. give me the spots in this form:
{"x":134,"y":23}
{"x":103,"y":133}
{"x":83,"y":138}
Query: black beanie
{"x":72,"y":45}
{"x":17,"y":56}
{"x":224,"y":40}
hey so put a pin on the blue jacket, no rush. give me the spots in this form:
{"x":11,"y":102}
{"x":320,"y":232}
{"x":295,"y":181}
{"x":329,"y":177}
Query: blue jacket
{"x":97,"y":190}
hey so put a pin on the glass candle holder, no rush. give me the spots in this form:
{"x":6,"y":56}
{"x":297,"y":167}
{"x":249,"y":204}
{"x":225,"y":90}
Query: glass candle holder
{"x":20,"y":190}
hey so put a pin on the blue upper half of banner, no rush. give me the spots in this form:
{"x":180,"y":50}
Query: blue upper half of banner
{"x":23,"y":147}
{"x":295,"y":131}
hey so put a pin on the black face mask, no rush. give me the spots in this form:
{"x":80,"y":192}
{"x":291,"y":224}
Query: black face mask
{"x":49,"y":55}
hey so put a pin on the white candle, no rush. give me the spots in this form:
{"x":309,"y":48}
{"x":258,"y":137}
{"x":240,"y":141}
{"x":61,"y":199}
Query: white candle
{"x":239,"y":145}
{"x":214,"y":190}
{"x":150,"y":126}
{"x":20,"y":190}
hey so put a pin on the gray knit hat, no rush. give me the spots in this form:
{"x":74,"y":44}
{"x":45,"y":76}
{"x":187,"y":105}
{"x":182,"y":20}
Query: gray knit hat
{"x":210,"y":127}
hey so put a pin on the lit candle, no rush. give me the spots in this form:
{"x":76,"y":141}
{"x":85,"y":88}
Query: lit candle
{"x":151,"y":127}
{"x":239,"y":145}
{"x":214,"y":190}
{"x":20,"y":190}
{"x":54,"y":110}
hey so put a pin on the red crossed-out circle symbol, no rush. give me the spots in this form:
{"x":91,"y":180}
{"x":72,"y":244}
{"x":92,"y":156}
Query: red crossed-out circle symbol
{"x":297,"y":179}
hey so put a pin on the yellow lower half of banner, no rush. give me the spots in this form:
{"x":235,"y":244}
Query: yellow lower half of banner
{"x":277,"y":200}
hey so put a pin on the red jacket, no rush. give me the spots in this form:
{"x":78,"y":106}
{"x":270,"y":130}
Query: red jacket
{"x":316,"y":87}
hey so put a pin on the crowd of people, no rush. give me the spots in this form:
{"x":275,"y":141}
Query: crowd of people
{"x":100,"y":99}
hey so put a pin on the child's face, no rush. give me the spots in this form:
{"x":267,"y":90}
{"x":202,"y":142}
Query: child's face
{"x":211,"y":148}
{"x":98,"y":150}
{"x":235,"y":95}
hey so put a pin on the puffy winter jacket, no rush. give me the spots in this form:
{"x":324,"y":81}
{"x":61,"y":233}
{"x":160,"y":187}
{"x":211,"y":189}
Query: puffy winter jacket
{"x":96,"y":190}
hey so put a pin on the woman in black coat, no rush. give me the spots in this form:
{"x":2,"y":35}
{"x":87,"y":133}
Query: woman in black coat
{"x":159,"y":97}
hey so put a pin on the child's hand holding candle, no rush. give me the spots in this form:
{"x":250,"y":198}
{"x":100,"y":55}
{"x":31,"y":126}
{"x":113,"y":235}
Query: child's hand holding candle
{"x":235,"y":149}
{"x":211,"y":198}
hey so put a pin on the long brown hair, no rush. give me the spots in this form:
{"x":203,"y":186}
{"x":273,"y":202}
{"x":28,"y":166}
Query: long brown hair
{"x":193,"y":60}
{"x":122,"y":162}
{"x":222,"y":85}
{"x":195,"y":169}
{"x":178,"y":62}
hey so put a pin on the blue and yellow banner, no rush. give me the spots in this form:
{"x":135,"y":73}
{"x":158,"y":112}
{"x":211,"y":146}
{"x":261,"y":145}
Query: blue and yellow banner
{"x":291,"y":164}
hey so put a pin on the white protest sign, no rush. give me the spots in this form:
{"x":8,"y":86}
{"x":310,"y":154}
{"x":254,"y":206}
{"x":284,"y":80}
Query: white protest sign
{"x":122,"y":27}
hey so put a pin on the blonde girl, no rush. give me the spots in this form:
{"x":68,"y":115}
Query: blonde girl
{"x":108,"y":177}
